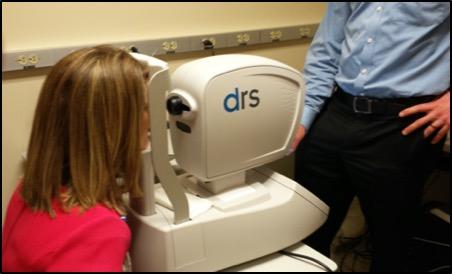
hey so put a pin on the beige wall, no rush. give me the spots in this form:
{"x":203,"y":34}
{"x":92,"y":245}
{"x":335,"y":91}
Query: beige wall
{"x":37,"y":25}
{"x":48,"y":25}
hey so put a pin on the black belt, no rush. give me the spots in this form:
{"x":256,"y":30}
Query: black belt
{"x":370,"y":105}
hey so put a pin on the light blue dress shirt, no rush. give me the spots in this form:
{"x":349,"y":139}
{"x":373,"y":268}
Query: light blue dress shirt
{"x":382,"y":50}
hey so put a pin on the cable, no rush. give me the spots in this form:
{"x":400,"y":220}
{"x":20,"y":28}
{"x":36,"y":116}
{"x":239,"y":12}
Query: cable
{"x":431,"y":242}
{"x":440,"y":268}
{"x":291,"y":254}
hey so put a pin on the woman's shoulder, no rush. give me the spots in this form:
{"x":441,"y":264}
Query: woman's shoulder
{"x":109,"y":219}
{"x":96,"y":239}
{"x":76,"y":217}
{"x":98,"y":221}
{"x":97,"y":218}
{"x":95,"y":235}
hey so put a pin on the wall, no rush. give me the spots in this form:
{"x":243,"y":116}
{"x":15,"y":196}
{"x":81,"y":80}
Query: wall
{"x":37,"y":25}
{"x":49,"y":25}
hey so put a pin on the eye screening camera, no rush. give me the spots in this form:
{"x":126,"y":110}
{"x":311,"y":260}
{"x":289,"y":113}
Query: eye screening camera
{"x":215,"y":205}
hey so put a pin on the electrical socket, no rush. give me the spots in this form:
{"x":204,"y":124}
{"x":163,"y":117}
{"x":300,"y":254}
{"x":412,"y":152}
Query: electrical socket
{"x":209,"y":43}
{"x":22,"y":60}
{"x":243,"y":38}
{"x":275,"y":35}
{"x":305,"y":32}
{"x":33,"y":59}
{"x":169,"y":46}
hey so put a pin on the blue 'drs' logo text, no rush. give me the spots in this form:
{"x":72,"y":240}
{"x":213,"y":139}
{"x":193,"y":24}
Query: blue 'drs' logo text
{"x":237,"y":100}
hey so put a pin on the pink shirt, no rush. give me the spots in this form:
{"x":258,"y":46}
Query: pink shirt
{"x":96,"y":240}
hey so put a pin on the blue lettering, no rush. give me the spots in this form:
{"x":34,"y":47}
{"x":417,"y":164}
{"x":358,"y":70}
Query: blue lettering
{"x":235,"y":97}
{"x":239,"y":102}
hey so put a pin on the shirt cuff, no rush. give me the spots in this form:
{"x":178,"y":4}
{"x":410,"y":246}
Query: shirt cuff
{"x":308,"y":117}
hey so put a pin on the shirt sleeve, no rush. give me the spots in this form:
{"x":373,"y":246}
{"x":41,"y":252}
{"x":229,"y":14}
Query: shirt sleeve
{"x":322,"y":60}
{"x":100,"y":245}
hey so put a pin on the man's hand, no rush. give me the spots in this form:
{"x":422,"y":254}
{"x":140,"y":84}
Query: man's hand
{"x":437,"y":113}
{"x":299,"y":135}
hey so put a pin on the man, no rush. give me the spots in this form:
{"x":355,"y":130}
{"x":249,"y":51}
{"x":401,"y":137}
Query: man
{"x":376,"y":113}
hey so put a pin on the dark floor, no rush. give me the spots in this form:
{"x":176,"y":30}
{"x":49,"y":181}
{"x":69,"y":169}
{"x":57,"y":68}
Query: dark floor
{"x":351,"y":249}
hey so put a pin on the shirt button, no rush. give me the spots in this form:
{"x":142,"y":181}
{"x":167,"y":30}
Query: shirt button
{"x":380,"y":8}
{"x":364,"y":71}
{"x":370,"y":40}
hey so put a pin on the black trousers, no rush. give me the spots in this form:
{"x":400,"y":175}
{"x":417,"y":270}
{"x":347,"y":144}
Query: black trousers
{"x":346,"y":154}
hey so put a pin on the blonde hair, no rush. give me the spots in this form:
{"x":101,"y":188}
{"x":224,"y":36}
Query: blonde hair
{"x":86,"y":131}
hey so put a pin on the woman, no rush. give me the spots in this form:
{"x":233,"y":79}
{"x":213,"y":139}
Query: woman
{"x":89,"y":128}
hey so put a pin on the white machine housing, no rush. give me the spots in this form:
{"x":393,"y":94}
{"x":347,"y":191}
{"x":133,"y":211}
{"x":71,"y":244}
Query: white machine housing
{"x":186,"y":227}
{"x":220,"y":238}
{"x":244,"y":112}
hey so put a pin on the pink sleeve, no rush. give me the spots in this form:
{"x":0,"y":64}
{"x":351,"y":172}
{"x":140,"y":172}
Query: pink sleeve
{"x":100,"y":245}
{"x":15,"y":207}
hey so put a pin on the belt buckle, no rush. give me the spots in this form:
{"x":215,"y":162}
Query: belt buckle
{"x":367,"y":109}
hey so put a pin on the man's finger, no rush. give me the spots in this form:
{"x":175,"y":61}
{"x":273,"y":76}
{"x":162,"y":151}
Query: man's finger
{"x":415,"y":109}
{"x":440,"y":135}
{"x":429,"y":130}
{"x":438,"y":123}
{"x":417,"y":124}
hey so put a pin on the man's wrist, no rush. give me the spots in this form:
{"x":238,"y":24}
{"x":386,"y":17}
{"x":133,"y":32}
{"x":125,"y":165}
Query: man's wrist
{"x":308,"y":117}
